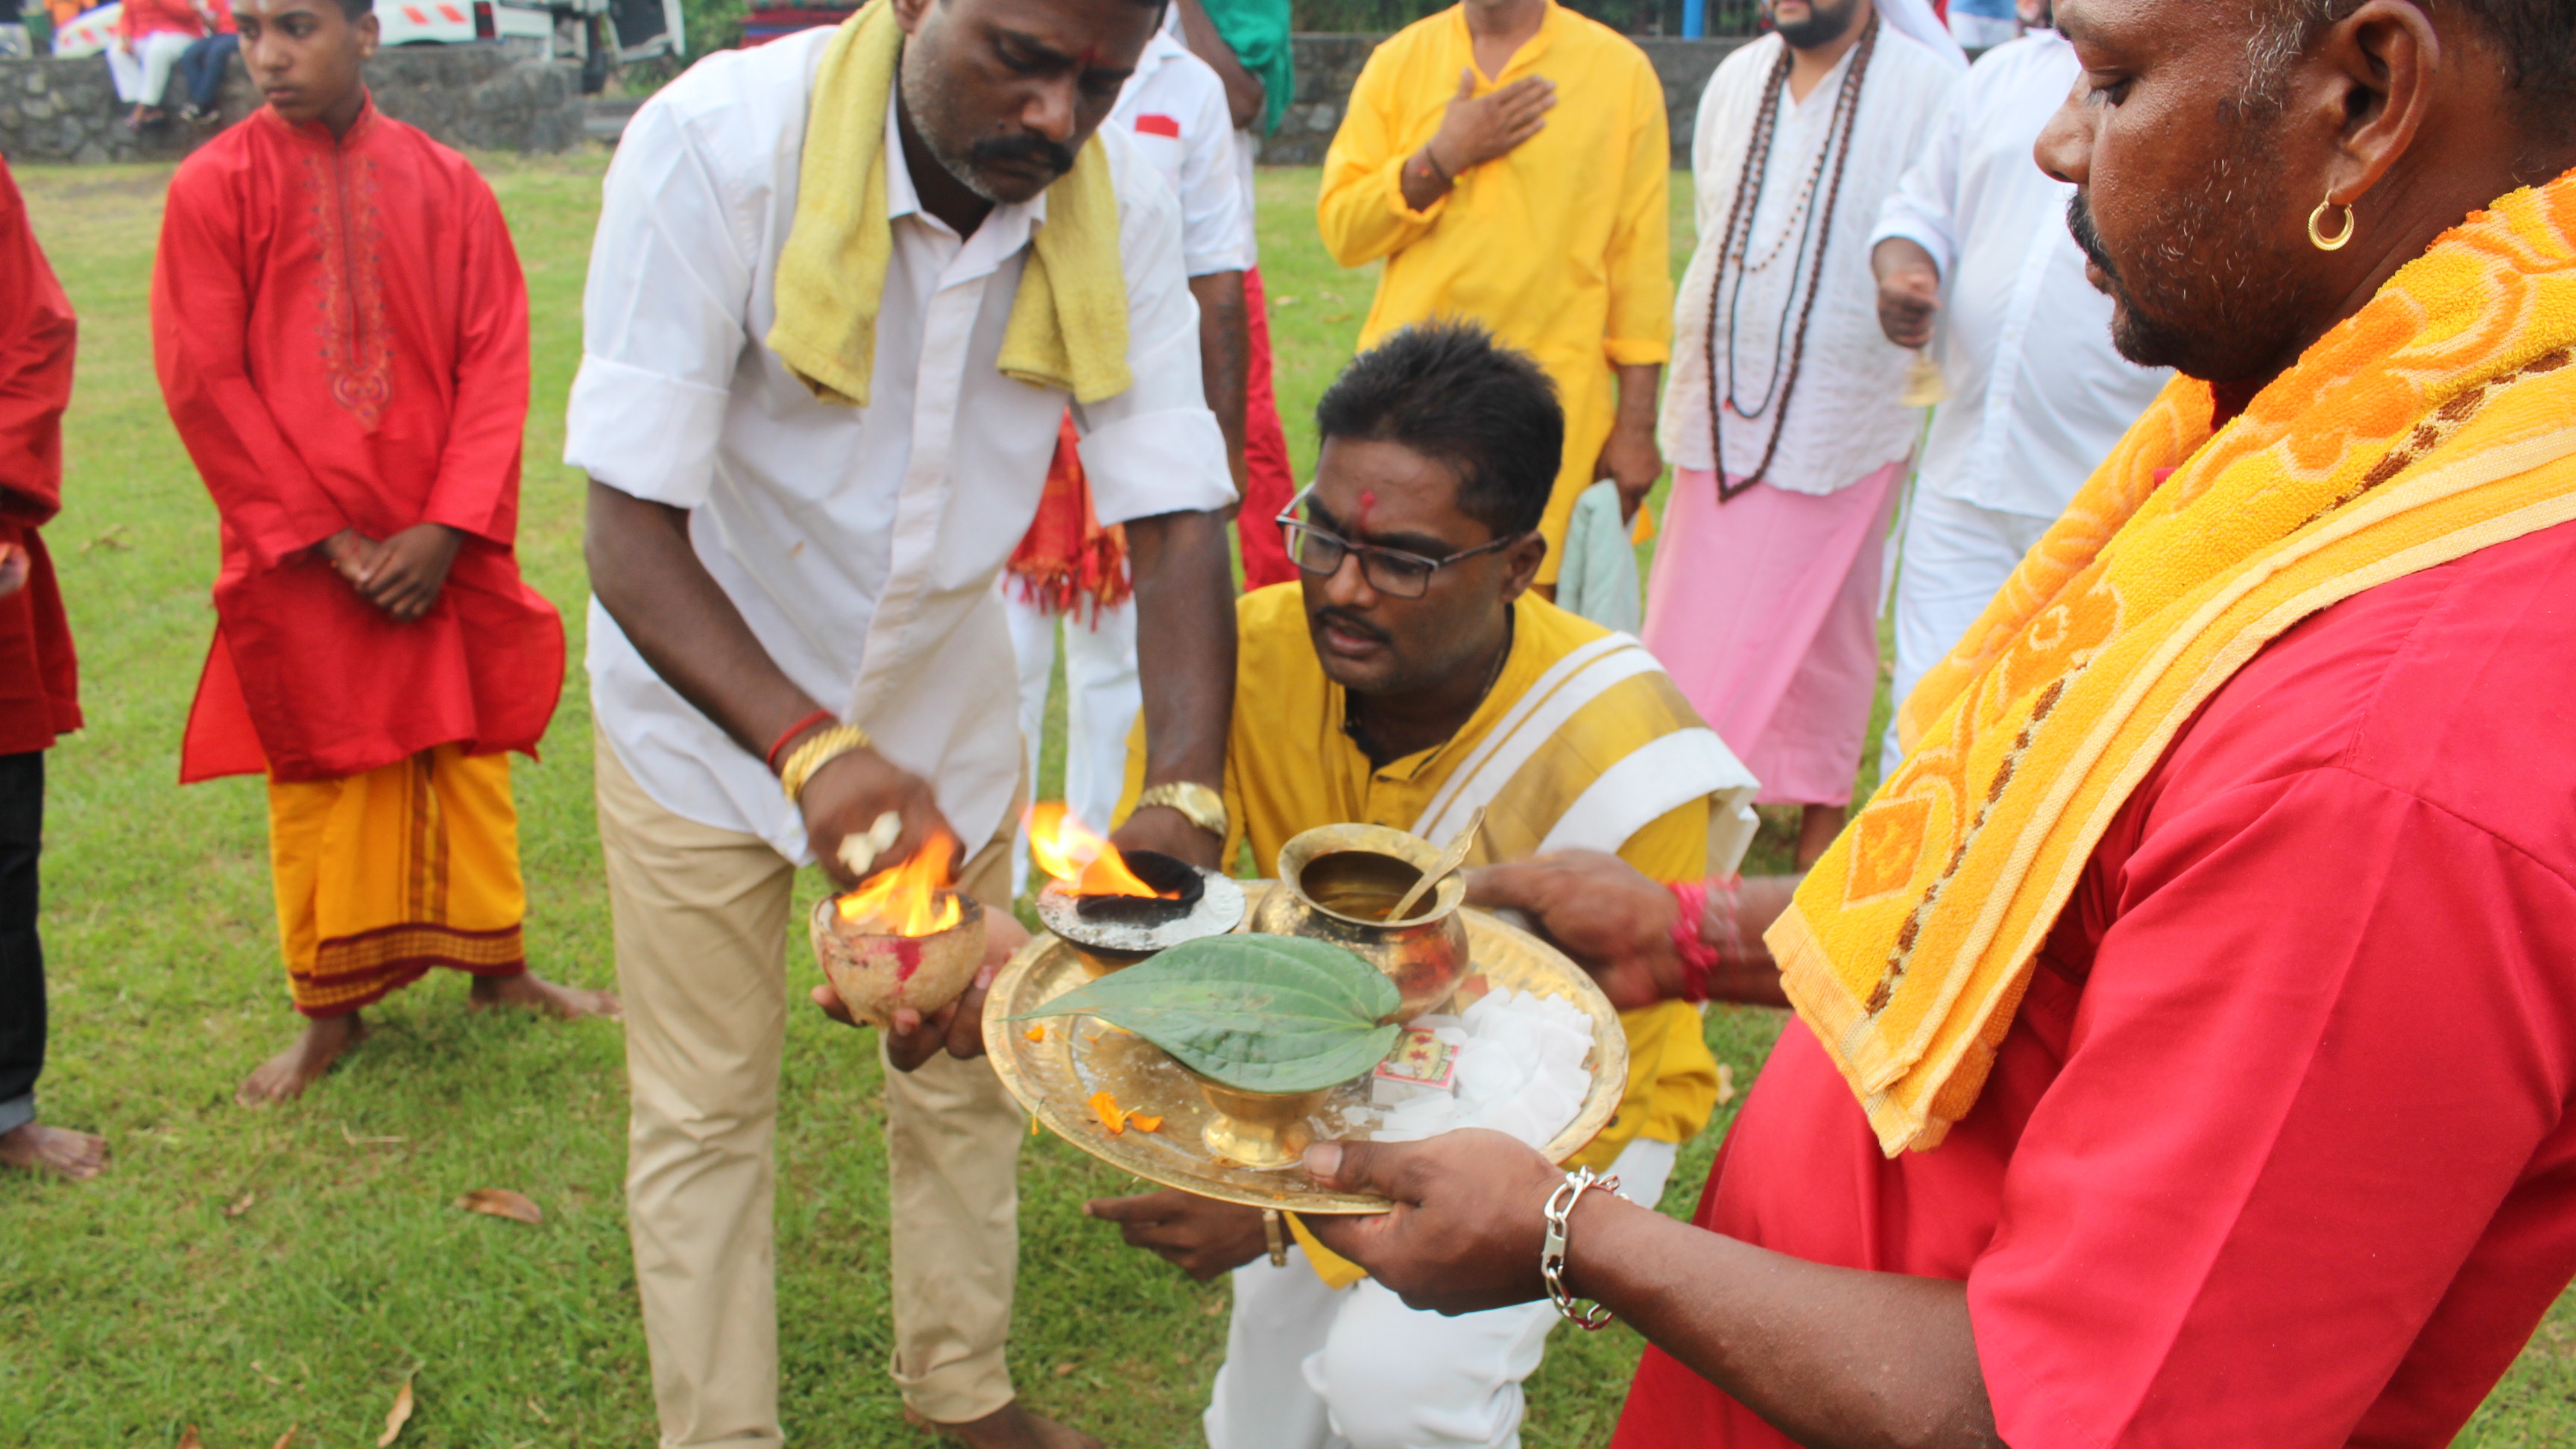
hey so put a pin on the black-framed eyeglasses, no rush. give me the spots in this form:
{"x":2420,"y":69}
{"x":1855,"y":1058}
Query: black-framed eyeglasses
{"x":1388,"y":570}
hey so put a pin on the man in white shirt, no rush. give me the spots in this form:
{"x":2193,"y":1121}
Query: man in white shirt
{"x":1782,"y":412}
{"x":1174,"y":109}
{"x":786,"y":579}
{"x":1976,"y":233}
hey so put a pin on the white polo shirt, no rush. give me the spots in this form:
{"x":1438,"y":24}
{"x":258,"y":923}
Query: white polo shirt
{"x":1173,"y":108}
{"x":860,"y":544}
{"x":2037,"y":392}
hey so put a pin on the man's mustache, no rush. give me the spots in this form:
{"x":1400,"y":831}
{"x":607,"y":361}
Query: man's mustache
{"x":2079,"y":224}
{"x":1350,"y":624}
{"x":1026,"y":146}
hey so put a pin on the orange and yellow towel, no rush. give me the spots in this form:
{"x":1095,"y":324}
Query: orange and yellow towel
{"x":2439,"y":419}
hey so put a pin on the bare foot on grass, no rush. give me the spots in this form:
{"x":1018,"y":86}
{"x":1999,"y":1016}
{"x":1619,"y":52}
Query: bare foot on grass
{"x":283,"y":1077}
{"x":1008,"y":1427}
{"x":530,"y":992}
{"x":58,"y":1150}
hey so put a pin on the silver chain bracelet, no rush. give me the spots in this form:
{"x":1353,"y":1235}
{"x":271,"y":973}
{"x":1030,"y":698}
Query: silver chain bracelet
{"x":1551,"y":1255}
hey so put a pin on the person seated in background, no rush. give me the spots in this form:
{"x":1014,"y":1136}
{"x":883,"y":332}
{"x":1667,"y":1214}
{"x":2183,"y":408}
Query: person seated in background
{"x":151,"y":35}
{"x":2185,"y":1030}
{"x":1409,"y":678}
{"x":201,"y":68}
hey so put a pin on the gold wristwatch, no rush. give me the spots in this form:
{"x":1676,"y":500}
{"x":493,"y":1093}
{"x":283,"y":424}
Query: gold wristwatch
{"x":1198,"y":804}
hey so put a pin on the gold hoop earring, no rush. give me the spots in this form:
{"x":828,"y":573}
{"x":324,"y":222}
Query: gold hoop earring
{"x":2317,"y":236}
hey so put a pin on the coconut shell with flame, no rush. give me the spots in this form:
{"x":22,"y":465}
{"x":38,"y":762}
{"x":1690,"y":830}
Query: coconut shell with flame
{"x":903,"y":940}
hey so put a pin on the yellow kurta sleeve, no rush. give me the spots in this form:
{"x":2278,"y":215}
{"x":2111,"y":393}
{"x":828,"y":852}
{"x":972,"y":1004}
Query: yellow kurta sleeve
{"x":1639,"y":264}
{"x":1361,"y":209}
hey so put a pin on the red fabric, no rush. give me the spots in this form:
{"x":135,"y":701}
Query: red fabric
{"x":221,"y":13}
{"x":39,"y":674}
{"x":1265,"y":454}
{"x":1067,"y":562}
{"x":1158,"y":126}
{"x":342,"y":336}
{"x":140,"y":18}
{"x":2277,"y":1151}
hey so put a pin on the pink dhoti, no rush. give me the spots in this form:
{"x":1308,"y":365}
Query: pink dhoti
{"x":1764,"y":609}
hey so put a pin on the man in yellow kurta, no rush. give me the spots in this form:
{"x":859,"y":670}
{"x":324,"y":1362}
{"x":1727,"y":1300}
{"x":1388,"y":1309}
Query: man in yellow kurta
{"x":1409,"y":678}
{"x":1508,"y":159}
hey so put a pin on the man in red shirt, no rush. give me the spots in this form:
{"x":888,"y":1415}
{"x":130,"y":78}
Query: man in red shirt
{"x":2207,"y":1082}
{"x":342,"y":334}
{"x":39,"y":679}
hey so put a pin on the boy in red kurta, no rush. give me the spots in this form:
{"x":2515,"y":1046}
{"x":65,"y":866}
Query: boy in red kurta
{"x":39,"y":690}
{"x":342,"y":334}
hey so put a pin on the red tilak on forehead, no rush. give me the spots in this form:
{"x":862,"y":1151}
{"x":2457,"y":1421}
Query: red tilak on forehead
{"x":1090,"y":57}
{"x":1360,"y":516}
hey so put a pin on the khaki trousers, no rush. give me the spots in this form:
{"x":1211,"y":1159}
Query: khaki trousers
{"x":701,"y":926}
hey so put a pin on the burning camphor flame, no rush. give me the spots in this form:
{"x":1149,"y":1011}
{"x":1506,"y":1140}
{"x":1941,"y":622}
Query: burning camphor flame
{"x":913,"y":899}
{"x":1070,"y":851}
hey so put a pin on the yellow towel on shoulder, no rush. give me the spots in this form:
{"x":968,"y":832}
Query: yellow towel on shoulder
{"x":1068,"y":326}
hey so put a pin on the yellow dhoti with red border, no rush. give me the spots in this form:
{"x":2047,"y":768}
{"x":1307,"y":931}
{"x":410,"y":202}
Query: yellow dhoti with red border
{"x":383,"y":875}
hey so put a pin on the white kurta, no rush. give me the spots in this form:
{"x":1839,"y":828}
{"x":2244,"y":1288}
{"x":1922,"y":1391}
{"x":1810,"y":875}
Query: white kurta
{"x":1843,"y":420}
{"x":860,"y":544}
{"x":1174,"y":109}
{"x":2037,"y":393}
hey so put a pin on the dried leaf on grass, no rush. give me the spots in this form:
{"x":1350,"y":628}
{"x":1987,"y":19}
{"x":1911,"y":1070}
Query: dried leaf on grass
{"x":500,"y":1202}
{"x":240,"y":1205}
{"x":397,"y":1416}
{"x":189,"y":1440}
{"x":114,"y":540}
{"x":286,"y":1438}
{"x":1725,"y":1084}
{"x":354,"y":1140}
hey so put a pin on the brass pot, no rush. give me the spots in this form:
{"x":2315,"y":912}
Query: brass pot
{"x":1337,"y":882}
{"x":1265,"y":1131}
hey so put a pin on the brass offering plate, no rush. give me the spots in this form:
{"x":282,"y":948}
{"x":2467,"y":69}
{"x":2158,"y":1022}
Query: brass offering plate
{"x":1055,"y":1077}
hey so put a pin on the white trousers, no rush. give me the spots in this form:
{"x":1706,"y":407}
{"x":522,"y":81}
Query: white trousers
{"x":1311,"y":1367}
{"x":1957,"y":557}
{"x":1102,"y":699}
{"x":142,"y":75}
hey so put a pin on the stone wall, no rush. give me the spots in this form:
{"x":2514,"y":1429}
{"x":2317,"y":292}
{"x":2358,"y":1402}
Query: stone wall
{"x":465,"y":95}
{"x":1328,"y":66}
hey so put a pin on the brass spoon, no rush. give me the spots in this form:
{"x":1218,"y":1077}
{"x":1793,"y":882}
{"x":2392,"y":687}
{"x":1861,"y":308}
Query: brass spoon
{"x":1450,"y":860}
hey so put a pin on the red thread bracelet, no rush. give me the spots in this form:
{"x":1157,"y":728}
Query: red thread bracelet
{"x":1698,"y":958}
{"x":820,"y":716}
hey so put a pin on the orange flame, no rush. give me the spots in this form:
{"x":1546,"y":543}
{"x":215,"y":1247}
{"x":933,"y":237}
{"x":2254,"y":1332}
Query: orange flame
{"x":913,"y":899}
{"x":1073,"y":853}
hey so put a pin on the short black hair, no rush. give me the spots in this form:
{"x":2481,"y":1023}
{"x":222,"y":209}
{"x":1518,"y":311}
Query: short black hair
{"x":1450,"y":392}
{"x":357,"y":9}
{"x":2535,"y":38}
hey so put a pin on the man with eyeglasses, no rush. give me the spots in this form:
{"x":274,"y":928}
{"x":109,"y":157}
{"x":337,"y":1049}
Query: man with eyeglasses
{"x":1408,"y":677}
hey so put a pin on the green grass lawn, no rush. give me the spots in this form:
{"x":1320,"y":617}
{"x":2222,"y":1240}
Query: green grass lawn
{"x":153,"y":1299}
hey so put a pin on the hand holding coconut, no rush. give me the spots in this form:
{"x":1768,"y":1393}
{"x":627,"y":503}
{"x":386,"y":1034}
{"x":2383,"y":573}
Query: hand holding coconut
{"x":910,"y":955}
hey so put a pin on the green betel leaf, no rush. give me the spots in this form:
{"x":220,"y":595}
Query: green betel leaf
{"x":1255,"y":1013}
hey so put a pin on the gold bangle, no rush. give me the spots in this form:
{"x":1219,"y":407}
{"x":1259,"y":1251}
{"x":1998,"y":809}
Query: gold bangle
{"x":1196,"y":803}
{"x":1274,"y":1237}
{"x":815,"y":751}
